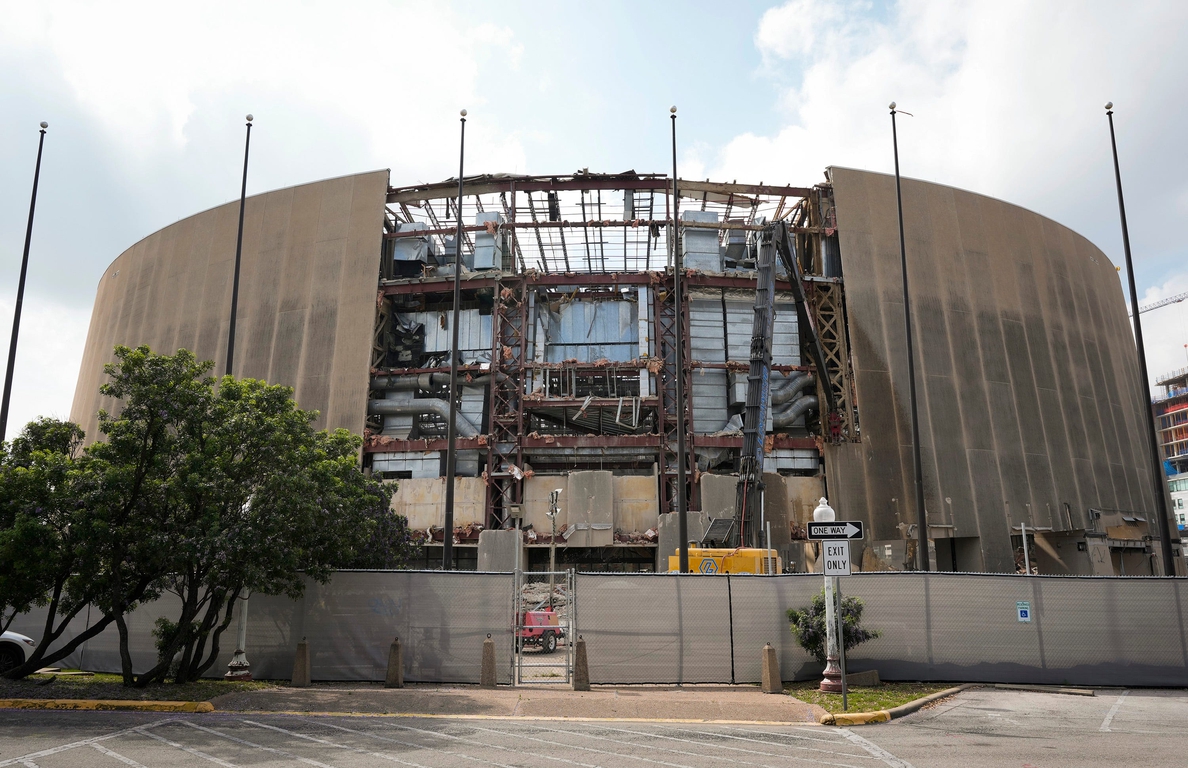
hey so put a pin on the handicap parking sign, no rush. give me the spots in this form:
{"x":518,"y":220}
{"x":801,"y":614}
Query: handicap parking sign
{"x":1023,"y":608}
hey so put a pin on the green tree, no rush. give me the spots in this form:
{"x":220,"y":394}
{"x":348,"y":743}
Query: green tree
{"x":35,"y":514}
{"x":808,"y":624}
{"x":208,"y":490}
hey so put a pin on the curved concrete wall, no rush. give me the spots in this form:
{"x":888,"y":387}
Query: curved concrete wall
{"x":306,"y":295}
{"x":1026,"y":370}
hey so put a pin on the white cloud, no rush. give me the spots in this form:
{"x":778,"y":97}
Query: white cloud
{"x":1165,"y":330}
{"x":51,"y":344}
{"x":370,"y":70}
{"x":1007,"y":98}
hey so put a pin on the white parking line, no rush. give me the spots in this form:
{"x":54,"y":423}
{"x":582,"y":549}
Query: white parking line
{"x":760,"y":741}
{"x":519,"y":736}
{"x":675,"y":751}
{"x":28,"y":759}
{"x":118,"y":756}
{"x":184,"y":748}
{"x":328,"y":743}
{"x":745,"y":738}
{"x":415,"y":745}
{"x":874,"y":749}
{"x":496,"y":746}
{"x":247,"y":743}
{"x":1109,"y":718}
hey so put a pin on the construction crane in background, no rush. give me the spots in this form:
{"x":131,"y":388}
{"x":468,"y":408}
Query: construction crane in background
{"x":1162,"y":303}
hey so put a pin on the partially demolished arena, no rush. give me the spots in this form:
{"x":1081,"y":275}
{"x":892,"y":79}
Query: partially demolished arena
{"x":790,"y":312}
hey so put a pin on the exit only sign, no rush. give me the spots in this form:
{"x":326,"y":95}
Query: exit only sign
{"x":837,"y":557}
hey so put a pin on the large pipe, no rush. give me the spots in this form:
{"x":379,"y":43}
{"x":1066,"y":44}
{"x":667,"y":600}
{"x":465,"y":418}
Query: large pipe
{"x":798,"y":409}
{"x":421,"y":407}
{"x":792,"y":388}
{"x":424,"y":381}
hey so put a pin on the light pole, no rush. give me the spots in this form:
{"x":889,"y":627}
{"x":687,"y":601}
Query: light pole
{"x":20,"y":299}
{"x":1169,"y":568}
{"x":921,"y":516}
{"x":447,"y":539}
{"x":831,"y":681}
{"x":682,"y":501}
{"x":239,"y":668}
{"x":247,"y":143}
{"x":553,"y":512}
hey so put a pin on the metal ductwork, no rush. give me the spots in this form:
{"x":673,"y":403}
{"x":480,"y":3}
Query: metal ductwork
{"x":792,"y":388}
{"x":419,"y":408}
{"x":798,"y":408}
{"x":425,"y":382}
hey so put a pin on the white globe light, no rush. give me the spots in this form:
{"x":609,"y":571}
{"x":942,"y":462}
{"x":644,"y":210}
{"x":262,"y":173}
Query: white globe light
{"x":250,"y":118}
{"x":1109,"y":105}
{"x":44,"y":124}
{"x":891,"y":106}
{"x":672,"y":109}
{"x":823,"y":513}
{"x":463,"y":113}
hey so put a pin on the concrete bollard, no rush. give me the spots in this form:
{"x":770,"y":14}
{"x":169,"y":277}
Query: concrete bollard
{"x":771,"y":671}
{"x":581,"y":668}
{"x":301,"y":677}
{"x":487,"y":677}
{"x":395,"y":677}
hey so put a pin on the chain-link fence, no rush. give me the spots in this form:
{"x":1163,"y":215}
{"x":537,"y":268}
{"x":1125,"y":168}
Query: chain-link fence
{"x":668,"y":628}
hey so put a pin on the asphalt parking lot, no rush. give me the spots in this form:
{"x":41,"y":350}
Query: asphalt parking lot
{"x":980,"y":727}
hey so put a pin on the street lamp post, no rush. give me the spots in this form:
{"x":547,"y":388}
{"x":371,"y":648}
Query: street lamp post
{"x":682,"y":501}
{"x":447,"y":539}
{"x":20,"y":299}
{"x":921,"y":516}
{"x":554,"y":510}
{"x":1169,"y":568}
{"x":247,"y":143}
{"x":831,"y":681}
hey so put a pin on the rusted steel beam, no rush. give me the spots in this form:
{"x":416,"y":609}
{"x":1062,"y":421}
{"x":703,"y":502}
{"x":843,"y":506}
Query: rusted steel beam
{"x":487,"y":185}
{"x":434,"y":285}
{"x":578,"y":402}
{"x":779,"y":441}
{"x":591,"y":441}
{"x":596,"y":223}
{"x":381,"y":444}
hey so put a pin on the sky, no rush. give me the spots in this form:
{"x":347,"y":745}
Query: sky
{"x":146,"y":105}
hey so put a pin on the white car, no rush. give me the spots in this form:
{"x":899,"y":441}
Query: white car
{"x":14,"y":650}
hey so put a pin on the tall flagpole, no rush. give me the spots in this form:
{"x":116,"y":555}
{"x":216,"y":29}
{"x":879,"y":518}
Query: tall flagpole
{"x":247,"y":143}
{"x":921,"y":515}
{"x":1165,"y":549}
{"x":447,"y":549}
{"x":20,"y":299}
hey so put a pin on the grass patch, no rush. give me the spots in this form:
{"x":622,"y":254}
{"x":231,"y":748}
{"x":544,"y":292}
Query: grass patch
{"x":106,"y":686}
{"x":863,"y":699}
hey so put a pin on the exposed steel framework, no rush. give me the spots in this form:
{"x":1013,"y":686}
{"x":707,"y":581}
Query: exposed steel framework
{"x":593,"y":236}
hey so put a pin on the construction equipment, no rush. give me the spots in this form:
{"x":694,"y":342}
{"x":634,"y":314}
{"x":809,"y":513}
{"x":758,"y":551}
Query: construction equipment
{"x":737,"y":560}
{"x":1161,"y":303}
{"x":750,"y":472}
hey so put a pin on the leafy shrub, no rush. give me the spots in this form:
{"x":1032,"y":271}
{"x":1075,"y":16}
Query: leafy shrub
{"x":808,"y":624}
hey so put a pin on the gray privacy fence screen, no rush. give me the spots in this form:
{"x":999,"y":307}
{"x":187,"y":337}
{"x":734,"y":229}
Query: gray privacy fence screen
{"x":440,"y":618}
{"x":666,"y":628}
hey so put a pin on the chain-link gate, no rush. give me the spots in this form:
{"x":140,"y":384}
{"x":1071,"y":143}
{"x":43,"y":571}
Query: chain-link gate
{"x":545,"y":621}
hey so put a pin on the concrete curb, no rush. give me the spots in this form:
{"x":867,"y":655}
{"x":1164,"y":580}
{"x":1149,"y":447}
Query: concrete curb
{"x":125,"y":705}
{"x":520,"y":718}
{"x":884,"y":715}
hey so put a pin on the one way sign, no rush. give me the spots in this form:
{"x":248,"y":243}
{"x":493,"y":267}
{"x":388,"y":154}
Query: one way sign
{"x":843,"y":529}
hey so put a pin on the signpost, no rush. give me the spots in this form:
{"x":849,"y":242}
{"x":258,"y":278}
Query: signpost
{"x":837,"y":557}
{"x":835,"y":537}
{"x":842,"y":529}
